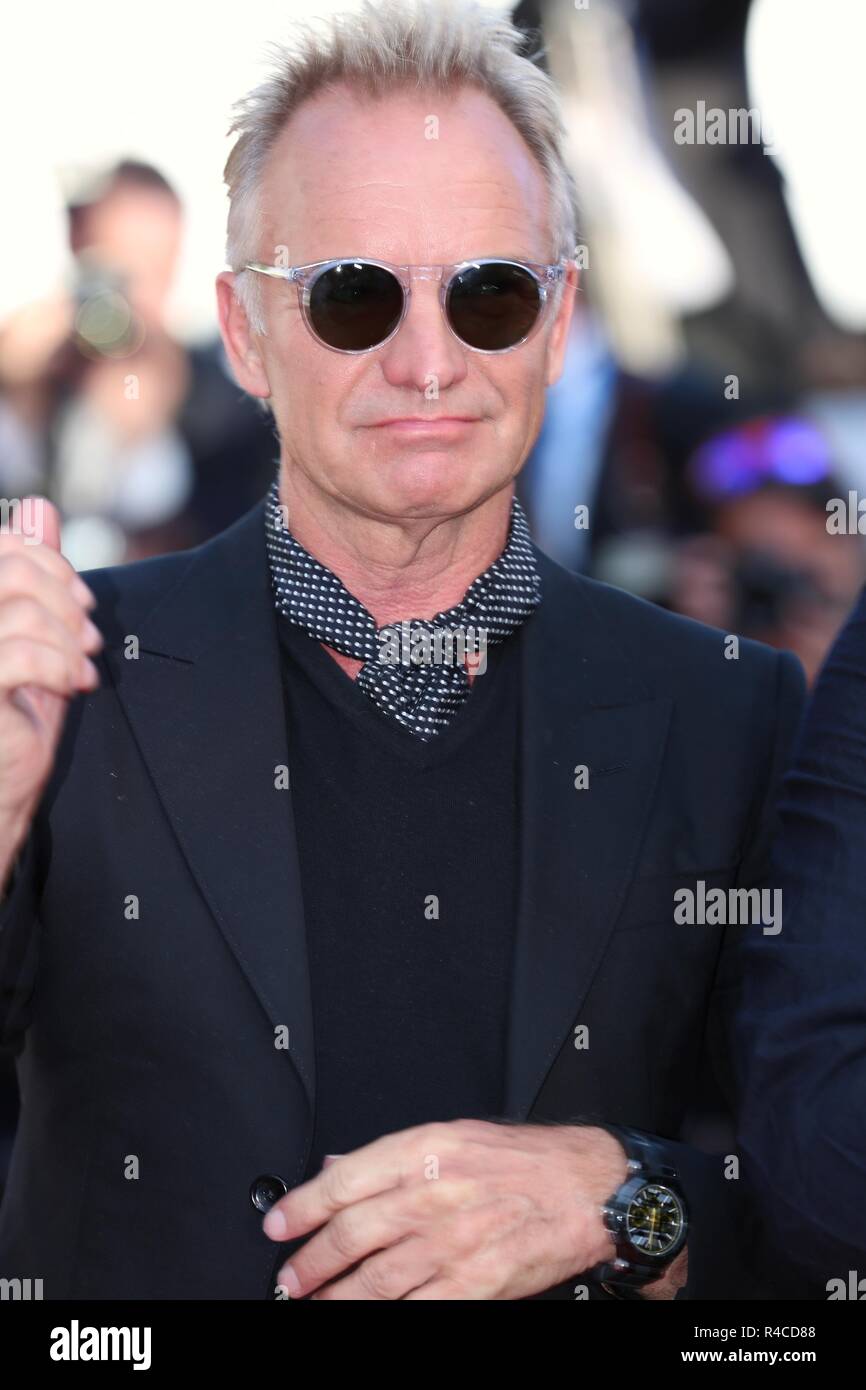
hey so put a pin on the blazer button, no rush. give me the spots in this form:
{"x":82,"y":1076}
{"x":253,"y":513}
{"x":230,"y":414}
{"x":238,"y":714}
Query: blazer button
{"x":266,"y":1190}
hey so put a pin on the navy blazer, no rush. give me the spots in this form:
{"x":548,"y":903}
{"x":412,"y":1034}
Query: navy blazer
{"x":152,"y":938}
{"x":801,"y":1036}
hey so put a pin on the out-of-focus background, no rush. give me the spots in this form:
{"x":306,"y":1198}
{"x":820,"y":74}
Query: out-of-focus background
{"x":713,"y":404}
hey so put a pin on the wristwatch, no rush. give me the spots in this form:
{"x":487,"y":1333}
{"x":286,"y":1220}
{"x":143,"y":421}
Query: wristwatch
{"x":647,"y":1216}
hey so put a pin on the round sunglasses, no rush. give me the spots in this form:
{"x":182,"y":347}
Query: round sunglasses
{"x":355,"y":305}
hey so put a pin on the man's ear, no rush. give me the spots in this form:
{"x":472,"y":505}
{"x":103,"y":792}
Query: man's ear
{"x":559,"y":336}
{"x":240,"y":345}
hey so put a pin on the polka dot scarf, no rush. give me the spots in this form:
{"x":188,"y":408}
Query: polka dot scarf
{"x":414,"y":671}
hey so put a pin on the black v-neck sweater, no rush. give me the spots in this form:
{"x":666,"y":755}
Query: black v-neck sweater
{"x":408,"y":859}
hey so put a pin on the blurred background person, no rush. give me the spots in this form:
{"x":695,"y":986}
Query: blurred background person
{"x":766,"y":565}
{"x":145,"y":443}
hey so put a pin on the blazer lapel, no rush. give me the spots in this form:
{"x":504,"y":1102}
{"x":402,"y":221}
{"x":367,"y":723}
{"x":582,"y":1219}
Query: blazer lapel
{"x":581,"y":707}
{"x":205,"y":702}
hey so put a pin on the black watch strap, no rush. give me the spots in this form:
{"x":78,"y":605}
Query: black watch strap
{"x":648,"y":1161}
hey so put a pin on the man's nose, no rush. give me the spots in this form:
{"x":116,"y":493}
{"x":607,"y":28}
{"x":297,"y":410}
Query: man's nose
{"x":424,"y":353}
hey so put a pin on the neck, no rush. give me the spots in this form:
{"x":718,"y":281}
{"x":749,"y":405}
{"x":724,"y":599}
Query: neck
{"x":398,"y":568}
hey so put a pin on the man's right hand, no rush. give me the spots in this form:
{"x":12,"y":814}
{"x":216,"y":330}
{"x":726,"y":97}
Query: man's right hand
{"x":45,"y":636}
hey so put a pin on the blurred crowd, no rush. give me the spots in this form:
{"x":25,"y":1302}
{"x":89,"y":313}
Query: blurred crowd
{"x":709,"y":422}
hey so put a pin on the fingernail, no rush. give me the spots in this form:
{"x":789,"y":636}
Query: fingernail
{"x":329,"y":1158}
{"x":290,"y":1281}
{"x":274,"y":1224}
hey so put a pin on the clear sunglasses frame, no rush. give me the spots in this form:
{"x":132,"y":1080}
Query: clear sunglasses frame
{"x":305,"y":276}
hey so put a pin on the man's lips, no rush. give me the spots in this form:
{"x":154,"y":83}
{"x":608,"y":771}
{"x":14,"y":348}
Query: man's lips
{"x":438,"y":426}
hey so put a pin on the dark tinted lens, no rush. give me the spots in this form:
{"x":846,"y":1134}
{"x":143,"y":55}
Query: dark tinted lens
{"x":493,"y":306}
{"x":355,"y":306}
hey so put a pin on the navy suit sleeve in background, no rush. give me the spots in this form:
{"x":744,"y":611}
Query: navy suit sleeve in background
{"x":727,"y":1245}
{"x":801,"y":1029}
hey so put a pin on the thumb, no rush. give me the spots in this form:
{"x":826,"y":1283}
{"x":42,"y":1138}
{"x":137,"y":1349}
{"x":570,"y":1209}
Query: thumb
{"x":41,"y":520}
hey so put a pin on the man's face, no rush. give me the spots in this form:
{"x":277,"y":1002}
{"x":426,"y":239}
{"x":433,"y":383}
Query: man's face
{"x":349,"y":177}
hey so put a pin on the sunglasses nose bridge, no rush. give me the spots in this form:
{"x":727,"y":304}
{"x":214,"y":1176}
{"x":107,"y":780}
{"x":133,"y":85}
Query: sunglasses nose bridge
{"x":425,"y":272}
{"x":413,"y":273}
{"x":433,"y":273}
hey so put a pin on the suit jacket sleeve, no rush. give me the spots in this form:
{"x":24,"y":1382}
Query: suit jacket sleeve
{"x":800,"y":1035}
{"x":728,"y":1255}
{"x":18,"y":944}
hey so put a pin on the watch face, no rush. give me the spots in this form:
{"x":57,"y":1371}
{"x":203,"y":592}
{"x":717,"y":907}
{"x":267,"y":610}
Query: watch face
{"x":654,"y":1219}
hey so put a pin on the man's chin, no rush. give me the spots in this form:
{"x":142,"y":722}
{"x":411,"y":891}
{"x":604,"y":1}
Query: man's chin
{"x":436,"y":486}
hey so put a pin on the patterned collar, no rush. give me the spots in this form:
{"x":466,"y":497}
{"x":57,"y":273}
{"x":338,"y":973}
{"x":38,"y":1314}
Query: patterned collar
{"x":414,"y":671}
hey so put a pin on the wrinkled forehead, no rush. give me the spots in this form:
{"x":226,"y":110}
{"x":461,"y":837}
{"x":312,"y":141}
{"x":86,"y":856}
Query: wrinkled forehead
{"x":416,"y":176}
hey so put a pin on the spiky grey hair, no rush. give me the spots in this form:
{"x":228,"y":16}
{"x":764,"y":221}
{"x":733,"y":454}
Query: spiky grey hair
{"x":429,"y":44}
